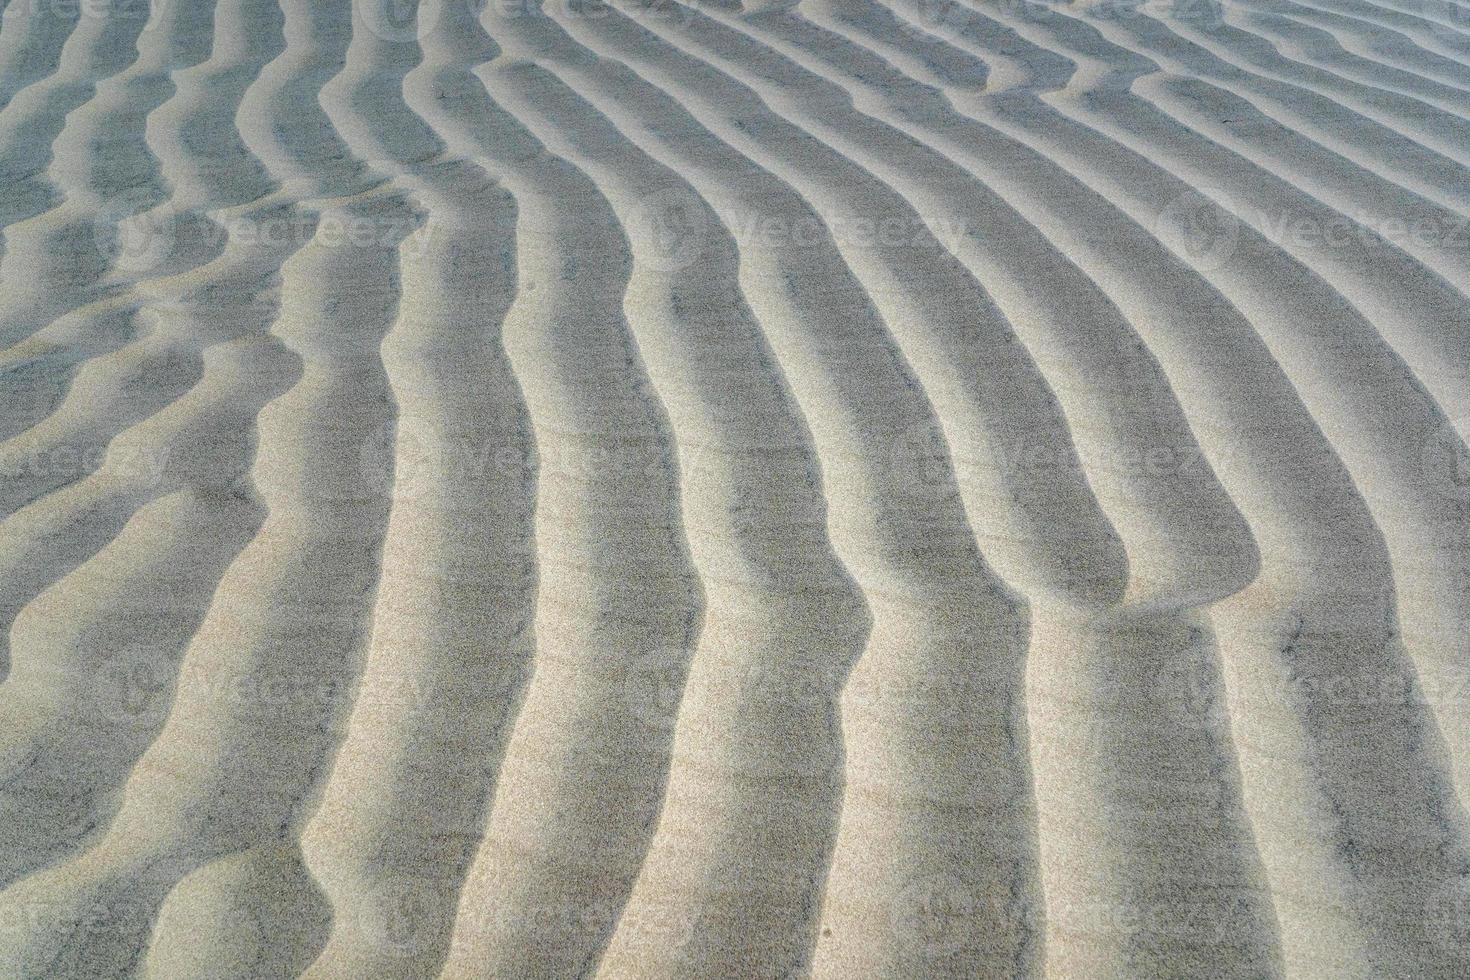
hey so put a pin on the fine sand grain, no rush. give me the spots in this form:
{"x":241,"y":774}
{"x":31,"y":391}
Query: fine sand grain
{"x":528,"y":489}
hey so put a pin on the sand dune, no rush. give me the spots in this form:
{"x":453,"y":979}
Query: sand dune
{"x":843,"y":488}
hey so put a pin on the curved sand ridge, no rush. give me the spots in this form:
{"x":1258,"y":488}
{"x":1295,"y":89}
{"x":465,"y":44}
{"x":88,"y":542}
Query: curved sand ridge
{"x":854,"y":487}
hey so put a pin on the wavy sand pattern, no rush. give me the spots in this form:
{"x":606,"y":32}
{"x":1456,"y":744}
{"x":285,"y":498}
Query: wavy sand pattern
{"x":657,"y":488}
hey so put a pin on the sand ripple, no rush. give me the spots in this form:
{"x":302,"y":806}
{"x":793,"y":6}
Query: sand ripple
{"x":649,"y":488}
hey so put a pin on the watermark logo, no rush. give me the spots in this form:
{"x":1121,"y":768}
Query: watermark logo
{"x":920,"y":462}
{"x":157,"y":13}
{"x":1364,"y":231}
{"x":1448,"y":20}
{"x":1190,"y":691}
{"x":1446,"y":461}
{"x":1447,"y":918}
{"x":399,"y":21}
{"x":65,"y":463}
{"x":133,"y":688}
{"x":400,"y":458}
{"x":1197,"y":228}
{"x":1195,"y":13}
{"x":134,"y":233}
{"x":854,"y":230}
{"x":91,"y":9}
{"x":653,"y":687}
{"x":1205,"y":14}
{"x":668,"y":229}
{"x":937,"y":21}
{"x":398,"y":919}
{"x":934,"y":915}
{"x":666,"y":11}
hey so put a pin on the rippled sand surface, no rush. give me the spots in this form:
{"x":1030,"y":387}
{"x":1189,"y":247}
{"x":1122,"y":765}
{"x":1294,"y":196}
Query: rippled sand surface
{"x":669,"y":489}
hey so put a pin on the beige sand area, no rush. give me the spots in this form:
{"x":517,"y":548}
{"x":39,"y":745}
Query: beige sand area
{"x":674,"y":489}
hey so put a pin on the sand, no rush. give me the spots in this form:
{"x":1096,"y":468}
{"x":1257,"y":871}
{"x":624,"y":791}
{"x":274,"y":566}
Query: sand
{"x":655,"y":489}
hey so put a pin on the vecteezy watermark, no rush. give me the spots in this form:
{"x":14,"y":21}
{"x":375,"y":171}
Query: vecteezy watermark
{"x":1363,"y":230}
{"x":1194,"y":13}
{"x":1448,"y":20}
{"x":66,"y":463}
{"x":939,"y":21}
{"x":1053,"y":459}
{"x":30,"y":389}
{"x":102,"y":919}
{"x":661,"y":921}
{"x":1197,"y":228}
{"x":761,"y":230}
{"x":1189,"y":690}
{"x":136,"y":688}
{"x":409,"y":456}
{"x":805,"y":686}
{"x":409,"y":21}
{"x":133,"y":688}
{"x":1192,"y":692}
{"x":1228,"y":912}
{"x":667,"y":11}
{"x":134,"y":232}
{"x":920,"y":462}
{"x":668,"y":229}
{"x":935,"y":914}
{"x":398,"y":919}
{"x":88,"y":9}
{"x":1445,"y":460}
{"x":653,"y":686}
{"x":935,"y":21}
{"x":136,"y":235}
{"x":330,"y":230}
{"x":1447,"y":914}
{"x":395,"y":456}
{"x":1207,"y":233}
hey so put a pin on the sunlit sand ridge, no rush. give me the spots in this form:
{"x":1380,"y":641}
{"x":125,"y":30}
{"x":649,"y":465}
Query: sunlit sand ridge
{"x":646,"y":488}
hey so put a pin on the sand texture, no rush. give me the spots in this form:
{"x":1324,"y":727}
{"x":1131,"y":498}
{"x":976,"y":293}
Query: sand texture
{"x":524,"y":489}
